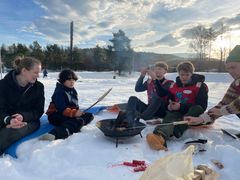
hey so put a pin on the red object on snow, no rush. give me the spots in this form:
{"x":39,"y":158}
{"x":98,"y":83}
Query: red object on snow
{"x":134,"y":163}
{"x":138,"y":163}
{"x":140,"y":168}
{"x":129,"y":164}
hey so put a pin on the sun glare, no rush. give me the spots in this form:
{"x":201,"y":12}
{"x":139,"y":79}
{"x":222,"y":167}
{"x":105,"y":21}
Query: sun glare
{"x":222,"y":43}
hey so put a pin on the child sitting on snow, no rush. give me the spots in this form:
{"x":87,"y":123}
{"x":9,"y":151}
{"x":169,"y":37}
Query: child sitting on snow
{"x":63,"y":112}
{"x":189,"y":98}
{"x":157,"y":106}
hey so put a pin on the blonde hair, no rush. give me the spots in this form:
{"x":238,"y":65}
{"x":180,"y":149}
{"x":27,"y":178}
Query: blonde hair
{"x":185,"y":66}
{"x":162,"y":65}
{"x":24,"y":62}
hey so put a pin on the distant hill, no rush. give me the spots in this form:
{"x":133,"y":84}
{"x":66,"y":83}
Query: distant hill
{"x":143,"y":59}
{"x":185,"y":55}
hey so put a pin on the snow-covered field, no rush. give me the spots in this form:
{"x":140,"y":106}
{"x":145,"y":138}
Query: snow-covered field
{"x":90,"y":155}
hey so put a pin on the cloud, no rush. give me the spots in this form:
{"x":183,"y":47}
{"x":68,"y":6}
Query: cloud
{"x":149,"y":24}
{"x":143,"y":35}
{"x":92,"y":18}
{"x":223,"y":24}
{"x":183,"y":34}
{"x":168,"y":40}
{"x":230,"y":23}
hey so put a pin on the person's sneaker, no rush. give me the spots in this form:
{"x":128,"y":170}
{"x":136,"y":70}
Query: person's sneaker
{"x":156,"y":142}
{"x":47,"y":137}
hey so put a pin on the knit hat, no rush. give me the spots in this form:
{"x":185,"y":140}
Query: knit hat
{"x":234,"y":55}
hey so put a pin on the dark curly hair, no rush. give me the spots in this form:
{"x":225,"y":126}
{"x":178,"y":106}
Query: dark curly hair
{"x":67,"y":74}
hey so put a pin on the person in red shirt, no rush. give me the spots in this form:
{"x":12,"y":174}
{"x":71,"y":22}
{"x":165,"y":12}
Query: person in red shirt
{"x":156,"y":106}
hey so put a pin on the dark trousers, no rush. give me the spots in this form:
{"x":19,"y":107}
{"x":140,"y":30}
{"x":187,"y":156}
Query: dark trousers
{"x":157,"y":108}
{"x":65,"y":126}
{"x":10,"y":135}
{"x":172,"y":116}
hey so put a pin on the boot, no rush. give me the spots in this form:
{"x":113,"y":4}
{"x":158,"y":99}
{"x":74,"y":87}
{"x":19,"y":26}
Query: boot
{"x":87,"y":118}
{"x":156,"y":142}
{"x":120,"y":118}
{"x":133,"y":118}
{"x":130,"y":117}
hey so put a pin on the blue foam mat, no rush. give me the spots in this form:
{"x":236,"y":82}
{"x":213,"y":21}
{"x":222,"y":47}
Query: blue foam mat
{"x":97,"y":109}
{"x":45,"y":127}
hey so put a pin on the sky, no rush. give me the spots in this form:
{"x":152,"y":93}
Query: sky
{"x":160,"y":26}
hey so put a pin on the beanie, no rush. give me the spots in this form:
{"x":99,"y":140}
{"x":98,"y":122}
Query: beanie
{"x":234,"y":55}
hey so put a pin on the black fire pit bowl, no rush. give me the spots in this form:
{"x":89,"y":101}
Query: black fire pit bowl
{"x":107,"y":126}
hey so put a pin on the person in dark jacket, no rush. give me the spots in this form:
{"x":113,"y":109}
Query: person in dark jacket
{"x":63,"y":111}
{"x":21,"y":101}
{"x":189,"y":97}
{"x":45,"y":72}
{"x":156,"y":106}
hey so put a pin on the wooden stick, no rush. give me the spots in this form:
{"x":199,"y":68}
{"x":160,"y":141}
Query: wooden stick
{"x":180,"y":122}
{"x":159,"y":122}
{"x":172,"y":123}
{"x":162,"y":124}
{"x":99,"y":99}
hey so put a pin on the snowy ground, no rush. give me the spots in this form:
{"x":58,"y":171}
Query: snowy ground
{"x":90,"y":155}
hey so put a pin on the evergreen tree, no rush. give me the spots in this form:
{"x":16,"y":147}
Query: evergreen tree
{"x":37,"y":52}
{"x":122,"y":52}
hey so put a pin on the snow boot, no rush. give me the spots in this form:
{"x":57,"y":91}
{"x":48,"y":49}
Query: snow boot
{"x":119,"y":122}
{"x":85,"y":119}
{"x":132,"y":118}
{"x":156,"y":142}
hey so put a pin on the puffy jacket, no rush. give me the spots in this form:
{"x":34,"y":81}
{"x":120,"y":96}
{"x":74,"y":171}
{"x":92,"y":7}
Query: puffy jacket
{"x":64,"y":101}
{"x":201,"y":98}
{"x":150,"y":86}
{"x":27,"y":101}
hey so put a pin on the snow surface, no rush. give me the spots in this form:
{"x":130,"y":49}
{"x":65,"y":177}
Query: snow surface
{"x":90,"y":155}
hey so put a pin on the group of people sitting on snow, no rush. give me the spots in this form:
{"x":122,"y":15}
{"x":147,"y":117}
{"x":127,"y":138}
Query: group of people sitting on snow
{"x":22,"y":102}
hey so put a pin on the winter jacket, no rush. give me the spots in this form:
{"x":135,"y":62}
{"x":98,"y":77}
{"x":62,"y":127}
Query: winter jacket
{"x":200,"y":98}
{"x":150,"y":87}
{"x":64,"y":101}
{"x":27,"y":101}
{"x":230,"y":103}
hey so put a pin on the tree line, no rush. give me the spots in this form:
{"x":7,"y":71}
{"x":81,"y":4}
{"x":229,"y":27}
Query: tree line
{"x":117,"y":57}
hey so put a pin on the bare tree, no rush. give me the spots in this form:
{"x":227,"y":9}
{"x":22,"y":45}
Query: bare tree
{"x":211,"y":36}
{"x":202,"y":39}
